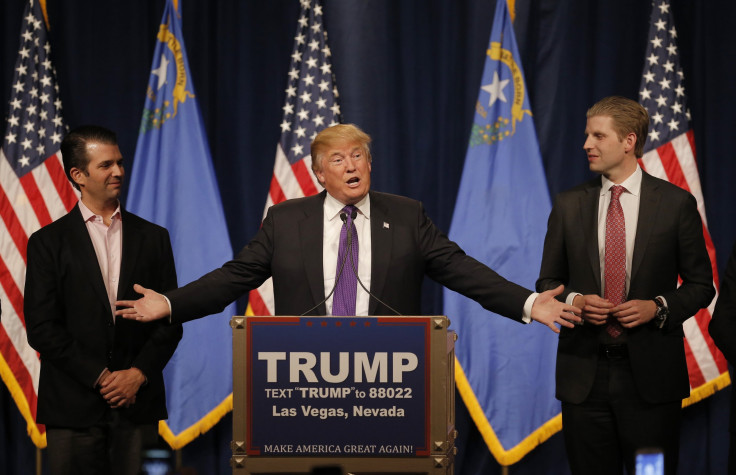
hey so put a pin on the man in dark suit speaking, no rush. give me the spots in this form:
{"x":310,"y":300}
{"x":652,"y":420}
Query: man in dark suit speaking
{"x":349,"y":235}
{"x":618,"y":244}
{"x":101,"y":388}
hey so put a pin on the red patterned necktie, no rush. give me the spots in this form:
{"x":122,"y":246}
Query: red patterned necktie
{"x":615,"y":283}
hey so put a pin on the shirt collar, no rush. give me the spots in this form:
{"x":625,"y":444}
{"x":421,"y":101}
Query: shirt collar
{"x":333,"y":207}
{"x":88,"y":215}
{"x":632,"y":183}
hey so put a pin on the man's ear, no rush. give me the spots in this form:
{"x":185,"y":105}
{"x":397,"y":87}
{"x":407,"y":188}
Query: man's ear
{"x":630,"y":141}
{"x":79,"y":177}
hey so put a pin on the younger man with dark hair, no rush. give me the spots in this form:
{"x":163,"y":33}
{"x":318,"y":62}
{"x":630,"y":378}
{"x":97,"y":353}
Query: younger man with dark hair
{"x":101,"y":388}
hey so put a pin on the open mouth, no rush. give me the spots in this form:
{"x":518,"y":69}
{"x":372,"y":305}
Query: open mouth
{"x":353,"y":181}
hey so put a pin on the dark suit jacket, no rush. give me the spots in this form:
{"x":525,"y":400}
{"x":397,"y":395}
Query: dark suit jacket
{"x":405,"y":246}
{"x":69,"y":320}
{"x":723,"y":325}
{"x":669,"y":242}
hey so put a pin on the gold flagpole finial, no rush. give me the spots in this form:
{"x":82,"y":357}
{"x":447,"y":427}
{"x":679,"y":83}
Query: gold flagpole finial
{"x":45,"y":13}
{"x":512,"y":11}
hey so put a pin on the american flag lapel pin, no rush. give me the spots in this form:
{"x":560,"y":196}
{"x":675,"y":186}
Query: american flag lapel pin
{"x":386,"y":225}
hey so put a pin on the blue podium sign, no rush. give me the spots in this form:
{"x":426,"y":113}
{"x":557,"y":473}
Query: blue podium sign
{"x":337,"y":387}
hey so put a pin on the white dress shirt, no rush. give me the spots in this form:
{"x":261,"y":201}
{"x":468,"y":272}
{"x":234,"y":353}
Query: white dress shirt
{"x":331,"y":244}
{"x":630,"y":203}
{"x":629,"y":200}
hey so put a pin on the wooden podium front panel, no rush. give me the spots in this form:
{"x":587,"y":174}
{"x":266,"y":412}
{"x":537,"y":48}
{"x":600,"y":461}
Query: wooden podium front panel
{"x":365,"y":394}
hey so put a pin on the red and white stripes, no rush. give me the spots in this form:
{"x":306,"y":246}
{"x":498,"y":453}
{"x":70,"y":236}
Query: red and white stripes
{"x":26,"y":205}
{"x":675,"y":162}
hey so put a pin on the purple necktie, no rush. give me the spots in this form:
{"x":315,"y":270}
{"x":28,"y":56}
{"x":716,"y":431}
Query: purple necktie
{"x":615,"y":273}
{"x":343,"y":302}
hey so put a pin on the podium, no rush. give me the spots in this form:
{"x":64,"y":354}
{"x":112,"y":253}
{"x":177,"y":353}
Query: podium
{"x":353,"y":395}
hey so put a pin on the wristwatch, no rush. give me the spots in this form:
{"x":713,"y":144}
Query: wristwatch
{"x":662,"y":312}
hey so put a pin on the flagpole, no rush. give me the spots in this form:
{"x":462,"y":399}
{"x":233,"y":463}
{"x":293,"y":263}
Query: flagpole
{"x":38,"y":461}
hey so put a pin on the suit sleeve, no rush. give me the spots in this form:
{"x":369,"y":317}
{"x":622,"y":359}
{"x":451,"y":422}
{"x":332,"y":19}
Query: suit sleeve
{"x":44,"y":310}
{"x":723,"y":325}
{"x":163,"y":341}
{"x":448,"y":264}
{"x":694,"y":267}
{"x":554,"y":270}
{"x":212,"y":292}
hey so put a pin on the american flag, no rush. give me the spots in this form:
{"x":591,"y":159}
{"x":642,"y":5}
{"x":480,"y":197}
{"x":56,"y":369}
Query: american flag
{"x":311,"y":105}
{"x":669,"y":153}
{"x":34,"y":191}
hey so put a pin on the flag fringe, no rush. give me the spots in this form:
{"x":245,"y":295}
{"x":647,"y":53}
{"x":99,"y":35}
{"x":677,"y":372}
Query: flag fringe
{"x":552,"y":426}
{"x":39,"y":440}
{"x":200,"y":427}
{"x":503,"y":456}
{"x":707,"y":389}
{"x":175,"y":441}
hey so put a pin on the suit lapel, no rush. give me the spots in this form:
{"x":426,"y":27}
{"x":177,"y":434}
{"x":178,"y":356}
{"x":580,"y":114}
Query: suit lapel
{"x":381,"y":238}
{"x":132,"y":245}
{"x":310,"y":236}
{"x":83,"y":250}
{"x":648,"y":205}
{"x":589,"y":217}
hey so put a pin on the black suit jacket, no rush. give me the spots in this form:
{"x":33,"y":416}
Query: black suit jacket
{"x":406,"y":245}
{"x":723,"y":325}
{"x":669,"y":242}
{"x":70,"y":323}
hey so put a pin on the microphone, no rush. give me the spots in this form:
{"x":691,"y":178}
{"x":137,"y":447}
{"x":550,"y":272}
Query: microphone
{"x":348,"y":251}
{"x":344,"y":218}
{"x":353,"y":215}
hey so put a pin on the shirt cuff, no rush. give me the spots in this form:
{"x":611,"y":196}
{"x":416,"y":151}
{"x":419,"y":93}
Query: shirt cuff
{"x":97,"y":381}
{"x":526,"y":316}
{"x":145,"y":378}
{"x":168,"y":302}
{"x":571,"y":297}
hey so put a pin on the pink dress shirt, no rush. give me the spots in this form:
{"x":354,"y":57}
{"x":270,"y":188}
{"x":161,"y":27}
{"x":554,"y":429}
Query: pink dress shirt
{"x":108,"y":244}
